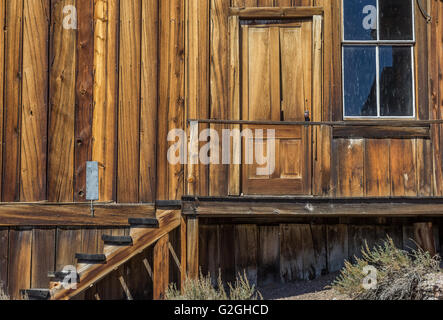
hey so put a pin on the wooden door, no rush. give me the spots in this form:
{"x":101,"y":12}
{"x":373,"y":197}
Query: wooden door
{"x":276,"y":66}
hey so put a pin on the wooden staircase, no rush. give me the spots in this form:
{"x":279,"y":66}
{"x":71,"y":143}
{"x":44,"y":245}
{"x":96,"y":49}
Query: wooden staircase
{"x":118,"y":250}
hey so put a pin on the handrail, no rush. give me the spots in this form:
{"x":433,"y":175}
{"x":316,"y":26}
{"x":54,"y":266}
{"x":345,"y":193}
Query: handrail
{"x":350,"y":123}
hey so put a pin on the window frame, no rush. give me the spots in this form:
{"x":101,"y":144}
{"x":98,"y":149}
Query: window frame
{"x":377,"y":44}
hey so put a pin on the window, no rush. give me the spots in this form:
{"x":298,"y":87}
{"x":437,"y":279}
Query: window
{"x":378,"y":58}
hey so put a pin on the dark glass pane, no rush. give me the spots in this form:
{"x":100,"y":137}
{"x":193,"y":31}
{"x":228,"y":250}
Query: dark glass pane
{"x":395,"y":19}
{"x":360,"y":83}
{"x":396,"y":97}
{"x":360,"y":19}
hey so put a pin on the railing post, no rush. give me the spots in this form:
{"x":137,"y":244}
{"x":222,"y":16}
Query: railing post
{"x":193,"y":157}
{"x":161,"y":267}
{"x":183,"y":255}
{"x":192,"y":247}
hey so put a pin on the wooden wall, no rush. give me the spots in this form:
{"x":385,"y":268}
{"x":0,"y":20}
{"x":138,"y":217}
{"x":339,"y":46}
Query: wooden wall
{"x":435,"y":35}
{"x":285,"y":252}
{"x":382,"y":168}
{"x":91,"y":93}
{"x":28,"y":254}
{"x":111,"y":91}
{"x":345,"y":166}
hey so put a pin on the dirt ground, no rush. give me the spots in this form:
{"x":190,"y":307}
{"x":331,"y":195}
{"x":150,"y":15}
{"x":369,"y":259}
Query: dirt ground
{"x":303,"y":290}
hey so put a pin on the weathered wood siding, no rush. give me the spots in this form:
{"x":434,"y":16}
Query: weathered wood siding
{"x":377,"y":163}
{"x":112,"y":89}
{"x":27,"y":255}
{"x":73,"y":95}
{"x":285,"y":252}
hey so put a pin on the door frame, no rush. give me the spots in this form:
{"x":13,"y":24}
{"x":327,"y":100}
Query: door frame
{"x":234,"y":88}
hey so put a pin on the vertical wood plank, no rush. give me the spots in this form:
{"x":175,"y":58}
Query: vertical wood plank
{"x":89,"y":241}
{"x":327,"y":57}
{"x":174,"y":246}
{"x":424,"y":236}
{"x":395,"y":232}
{"x":409,"y":242}
{"x":336,"y":100}
{"x":69,"y":242}
{"x":4,"y":253}
{"x":265,"y":3}
{"x":322,"y":135}
{"x":106,"y":15}
{"x":192,"y":250}
{"x":2,"y":78}
{"x":227,"y":252}
{"x":359,"y":236}
{"x":219,"y":174}
{"x":421,"y":62}
{"x":176,"y":178}
{"x":161,"y":267}
{"x":84,"y":96}
{"x":303,"y":2}
{"x":403,"y":168}
{"x":43,"y":256}
{"x":234,"y":102}
{"x":62,"y":106}
{"x":268,"y":254}
{"x":246,"y":246}
{"x":377,"y":174}
{"x":149,"y":98}
{"x":35,"y":101}
{"x":170,"y":178}
{"x":435,"y":67}
{"x":291,"y":253}
{"x":129,"y":102}
{"x":197,"y":79}
{"x":13,"y":100}
{"x":163,"y":105}
{"x":337,"y":240}
{"x":424,"y":168}
{"x":209,"y":253}
{"x":19,"y":269}
{"x":283,"y":3}
{"x":183,"y":254}
{"x":350,"y":168}
{"x":318,"y":236}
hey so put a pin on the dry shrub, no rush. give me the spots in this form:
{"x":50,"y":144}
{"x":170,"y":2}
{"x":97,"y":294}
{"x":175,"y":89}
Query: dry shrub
{"x":202,"y":289}
{"x":3,"y":295}
{"x":398,"y":273}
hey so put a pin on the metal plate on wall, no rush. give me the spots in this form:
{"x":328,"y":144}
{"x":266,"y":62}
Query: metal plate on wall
{"x":92,"y":192}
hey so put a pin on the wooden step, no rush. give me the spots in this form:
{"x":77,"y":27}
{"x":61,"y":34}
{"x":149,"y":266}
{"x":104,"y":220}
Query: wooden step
{"x":36,"y":294}
{"x":145,"y":237}
{"x":57,"y":276}
{"x":90,"y":258}
{"x":144,"y":223}
{"x":117,"y":240}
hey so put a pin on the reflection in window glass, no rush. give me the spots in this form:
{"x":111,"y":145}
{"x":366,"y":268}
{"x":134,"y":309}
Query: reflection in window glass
{"x":360,"y":83}
{"x":396,"y":81}
{"x":360,"y":21}
{"x":396,"y":20}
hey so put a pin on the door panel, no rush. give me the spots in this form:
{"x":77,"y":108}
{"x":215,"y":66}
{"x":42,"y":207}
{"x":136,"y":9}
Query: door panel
{"x":290,"y":165}
{"x":259,"y":74}
{"x":296,"y":60}
{"x":277,"y":86}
